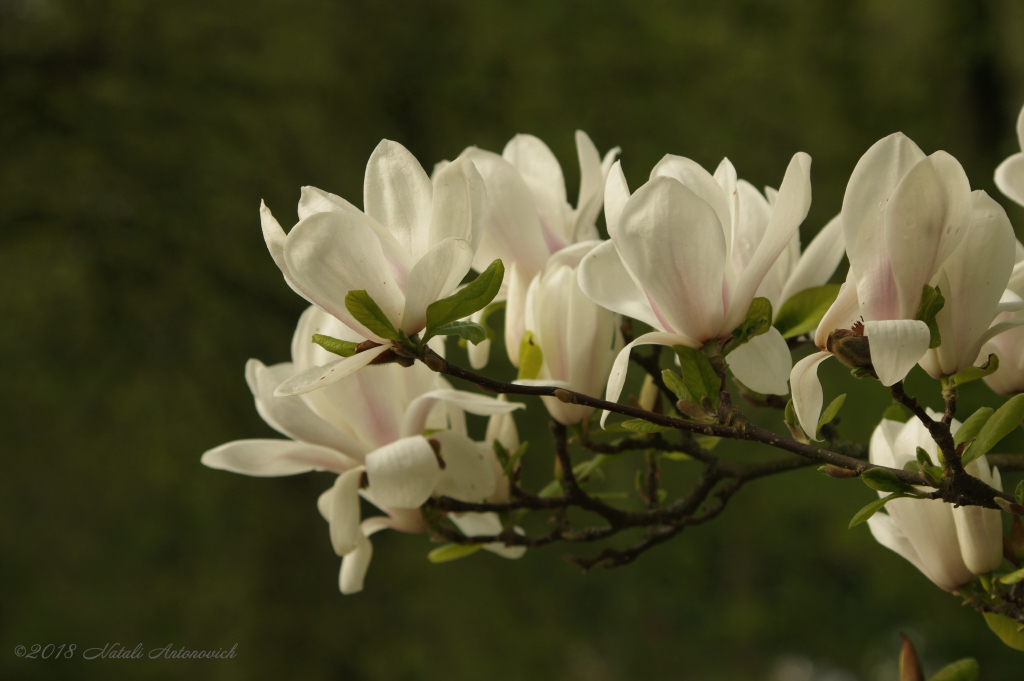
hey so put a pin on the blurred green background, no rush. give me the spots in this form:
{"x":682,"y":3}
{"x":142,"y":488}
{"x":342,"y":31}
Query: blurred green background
{"x":137,"y":138}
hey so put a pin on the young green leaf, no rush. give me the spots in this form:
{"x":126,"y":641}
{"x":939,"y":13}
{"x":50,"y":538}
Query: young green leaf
{"x":443,"y":554}
{"x":510,"y":466}
{"x":531,"y":357}
{"x":474,"y":296}
{"x":931,"y":302}
{"x":366,"y":311}
{"x":896,"y":412}
{"x":793,"y":424}
{"x":338,"y":347}
{"x":884,"y":480}
{"x":1013,"y":577}
{"x":970,"y":428}
{"x":804,"y":310}
{"x":1006,"y":629}
{"x":1004,"y":421}
{"x":474,"y":333}
{"x":961,"y":670}
{"x":699,"y":376}
{"x":676,"y":456}
{"x":831,"y":412}
{"x":674,"y":382}
{"x":707,"y":442}
{"x":923,"y":458}
{"x":974,"y":373}
{"x":499,"y":451}
{"x":757,"y":321}
{"x":641,"y":426}
{"x":873,"y":508}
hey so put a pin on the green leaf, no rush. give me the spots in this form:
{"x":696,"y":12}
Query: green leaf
{"x":884,"y":480}
{"x":1013,"y":577}
{"x":961,"y":670}
{"x":365,"y":311}
{"x":699,"y":376}
{"x":674,"y":382}
{"x":1006,"y":420}
{"x":510,"y":465}
{"x":804,"y":310}
{"x":931,"y":302}
{"x":474,"y":296}
{"x":923,"y":458}
{"x":531,"y":357}
{"x":641,"y":426}
{"x":499,"y":451}
{"x":896,"y":412}
{"x":831,"y":412}
{"x":970,"y":428}
{"x":793,"y":423}
{"x":757,"y":321}
{"x":974,"y":373}
{"x":552,"y":489}
{"x":1006,"y":629}
{"x":443,"y":554}
{"x":707,"y":442}
{"x":873,"y":508}
{"x":588,"y":468}
{"x":933,"y":472}
{"x":676,"y":456}
{"x":338,"y":347}
{"x":472,"y":332}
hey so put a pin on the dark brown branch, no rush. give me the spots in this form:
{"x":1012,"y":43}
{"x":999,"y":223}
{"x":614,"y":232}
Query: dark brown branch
{"x":1006,"y":462}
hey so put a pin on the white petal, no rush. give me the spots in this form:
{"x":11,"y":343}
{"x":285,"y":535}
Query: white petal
{"x":416,"y":413}
{"x":763,"y":364}
{"x":403,"y":473}
{"x":807,"y":395}
{"x":330,"y":254}
{"x":896,"y":346}
{"x":435,"y":276}
{"x":273,"y":458}
{"x":929,"y":526}
{"x":605,"y":280}
{"x":354,"y":566}
{"x":515,"y":312}
{"x":591,"y":196}
{"x":888,"y":534}
{"x":1010,"y":178}
{"x":468,"y":474}
{"x":752,"y":217}
{"x":502,"y":427}
{"x":617,"y":377}
{"x":316,"y":378}
{"x":616,"y":193}
{"x":703,"y":184}
{"x":313,"y":200}
{"x":818,"y":261}
{"x":980,"y":531}
{"x":484,"y":525}
{"x":397,"y":193}
{"x":343,"y":512}
{"x":843,"y":313}
{"x":789,"y":211}
{"x":1010,"y":302}
{"x":672,"y":241}
{"x":543,"y":175}
{"x":459,"y":206}
{"x":479,"y":354}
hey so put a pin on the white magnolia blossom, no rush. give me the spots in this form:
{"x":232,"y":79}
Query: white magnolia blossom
{"x":795,"y":271}
{"x":578,"y":338}
{"x":974,"y":294}
{"x":689,"y":252}
{"x":903,"y":214}
{"x":412,"y":246}
{"x":949,"y":545}
{"x":1010,"y":173}
{"x":368,"y":428}
{"x":529,"y":219}
{"x":1009,"y":346}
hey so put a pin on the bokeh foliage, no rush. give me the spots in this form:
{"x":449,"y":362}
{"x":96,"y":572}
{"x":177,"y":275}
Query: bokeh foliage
{"x":137,"y":138}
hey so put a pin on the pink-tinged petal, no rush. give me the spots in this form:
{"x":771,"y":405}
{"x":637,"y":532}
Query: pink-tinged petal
{"x":617,"y":376}
{"x":468,"y":474}
{"x":330,"y":254}
{"x":397,"y":193}
{"x":888,"y":534}
{"x":763,"y":364}
{"x":486,"y":525}
{"x":929,"y":527}
{"x":543,"y":175}
{"x":354,"y":566}
{"x":807,"y":394}
{"x":1010,"y":178}
{"x":789,"y":211}
{"x":896,"y":346}
{"x":316,"y":378}
{"x":415,"y":418}
{"x":515,"y":311}
{"x":512,"y":229}
{"x":402,"y":474}
{"x":672,"y":241}
{"x":819,"y":260}
{"x":459,"y":207}
{"x":274,"y":458}
{"x":843,"y":313}
{"x":435,"y":276}
{"x":343,"y":512}
{"x":604,"y":279}
{"x":616,"y":193}
{"x":702,"y":183}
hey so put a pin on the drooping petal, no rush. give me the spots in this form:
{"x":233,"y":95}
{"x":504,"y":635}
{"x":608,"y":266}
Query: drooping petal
{"x":543,"y":175}
{"x":604,"y":279}
{"x":274,"y":458}
{"x":790,"y":209}
{"x":672,"y":241}
{"x":807,"y":394}
{"x":415,"y":416}
{"x":354,"y":566}
{"x":397,"y":193}
{"x":616,"y":193}
{"x":888,"y":534}
{"x":896,"y":346}
{"x":343,"y":512}
{"x":1010,"y":178}
{"x":316,"y":378}
{"x":330,"y":254}
{"x":403,"y":474}
{"x":819,"y":260}
{"x":485,"y":525}
{"x":617,"y":377}
{"x":763,"y":364}
{"x":468,"y":474}
{"x":434,"y":276}
{"x":459,"y":207}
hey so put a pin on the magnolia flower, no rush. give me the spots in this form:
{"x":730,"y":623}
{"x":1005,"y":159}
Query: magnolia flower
{"x":1009,"y":346}
{"x":949,"y":545}
{"x":903,"y":214}
{"x":974,"y":295}
{"x":687,"y":254}
{"x":578,"y":338}
{"x":529,"y":219}
{"x":1010,"y":173}
{"x":794,"y":271}
{"x":368,"y":429}
{"x":412,"y":246}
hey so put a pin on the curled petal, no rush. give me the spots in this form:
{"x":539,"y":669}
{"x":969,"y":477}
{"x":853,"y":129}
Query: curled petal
{"x":843,"y":313}
{"x":402,"y":474}
{"x":273,"y":458}
{"x":617,"y":378}
{"x":807,"y":395}
{"x":343,"y":512}
{"x":416,"y":413}
{"x":896,"y":346}
{"x":763,"y":364}
{"x":315,"y":378}
{"x":354,"y":566}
